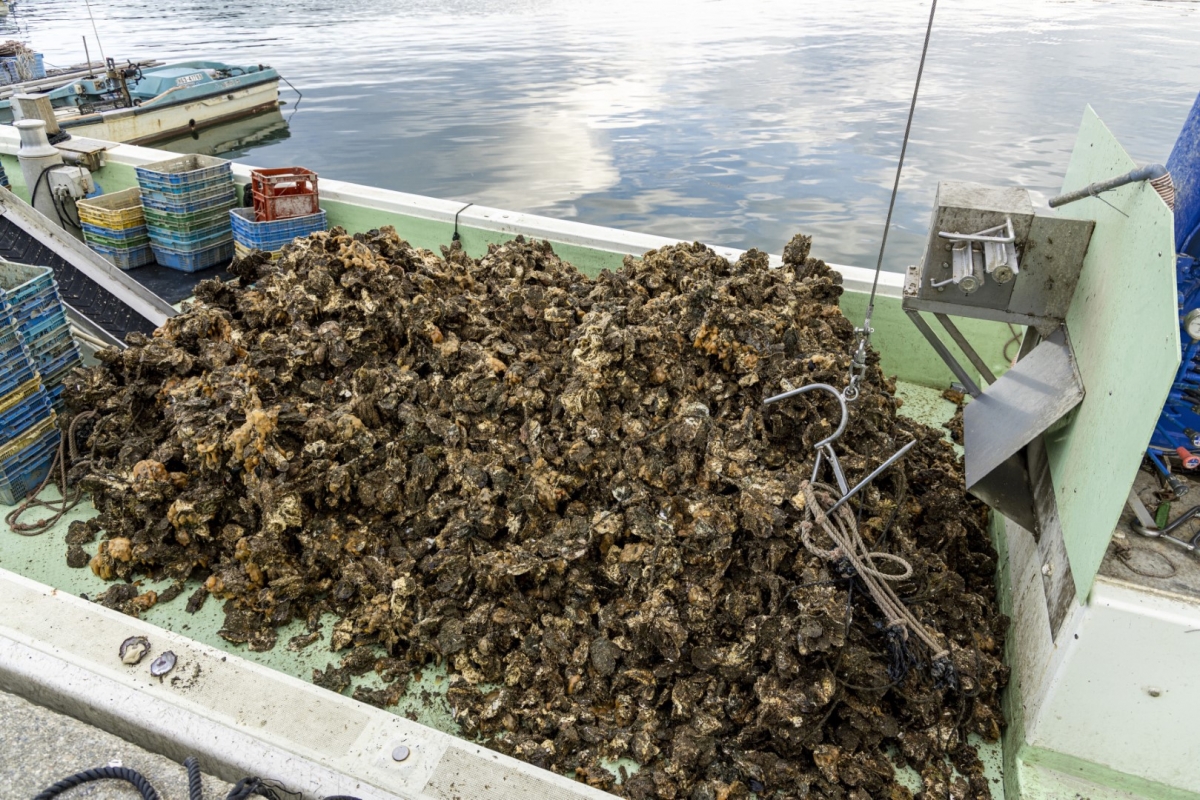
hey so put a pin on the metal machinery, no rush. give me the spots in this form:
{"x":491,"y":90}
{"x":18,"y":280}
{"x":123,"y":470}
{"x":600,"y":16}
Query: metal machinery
{"x":990,"y":257}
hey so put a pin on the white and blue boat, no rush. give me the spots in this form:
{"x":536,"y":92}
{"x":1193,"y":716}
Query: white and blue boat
{"x":142,"y":105}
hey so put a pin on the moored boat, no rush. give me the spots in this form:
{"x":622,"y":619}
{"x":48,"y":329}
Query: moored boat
{"x":142,"y":105}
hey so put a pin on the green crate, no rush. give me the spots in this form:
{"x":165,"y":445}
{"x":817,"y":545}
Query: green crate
{"x":187,"y":223}
{"x":116,"y":242}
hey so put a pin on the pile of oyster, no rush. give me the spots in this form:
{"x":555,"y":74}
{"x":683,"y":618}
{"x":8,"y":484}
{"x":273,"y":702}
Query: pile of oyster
{"x":566,"y":490}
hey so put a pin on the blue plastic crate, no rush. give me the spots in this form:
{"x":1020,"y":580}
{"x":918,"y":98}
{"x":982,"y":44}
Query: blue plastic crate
{"x":24,"y":472}
{"x":191,"y":242}
{"x":54,"y":391}
{"x":16,"y":374}
{"x":50,"y":341}
{"x":130,"y":258}
{"x":52,"y":367}
{"x":24,"y":414}
{"x":47,"y":322}
{"x":55,"y":355}
{"x":223,"y":193}
{"x":271,"y":236}
{"x":19,"y":282}
{"x":48,"y":317}
{"x":184,"y":171}
{"x":11,"y":74}
{"x":194,"y":261}
{"x":10,"y":339}
{"x":108,"y":233}
{"x":37,"y":307}
{"x":57,"y":377}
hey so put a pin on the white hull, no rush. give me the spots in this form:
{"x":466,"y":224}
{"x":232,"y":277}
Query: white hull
{"x":152,"y":125}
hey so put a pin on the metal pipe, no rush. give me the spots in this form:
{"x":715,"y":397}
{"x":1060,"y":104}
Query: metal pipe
{"x":1149,"y":172}
{"x":943,"y":351}
{"x":965,"y":346}
{"x":871,"y":477}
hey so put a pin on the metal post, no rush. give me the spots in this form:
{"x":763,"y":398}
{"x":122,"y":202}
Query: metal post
{"x":951,"y":362}
{"x":965,"y":346}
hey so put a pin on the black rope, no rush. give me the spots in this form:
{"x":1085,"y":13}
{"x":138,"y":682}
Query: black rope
{"x":195,"y":788}
{"x":244,"y":788}
{"x":900,"y":166}
{"x":99,"y":774}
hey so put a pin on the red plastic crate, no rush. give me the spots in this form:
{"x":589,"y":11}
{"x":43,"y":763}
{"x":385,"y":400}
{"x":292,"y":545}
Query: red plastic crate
{"x":283,"y":193}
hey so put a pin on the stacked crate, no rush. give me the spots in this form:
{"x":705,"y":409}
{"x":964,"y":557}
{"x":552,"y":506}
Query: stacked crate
{"x":286,"y":205}
{"x":250,"y":235}
{"x":186,"y":204}
{"x":36,"y":352}
{"x":115,"y":227}
{"x":31,"y":307}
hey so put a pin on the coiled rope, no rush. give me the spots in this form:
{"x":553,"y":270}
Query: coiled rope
{"x":98,"y":774}
{"x":842,"y":530}
{"x":66,"y":446}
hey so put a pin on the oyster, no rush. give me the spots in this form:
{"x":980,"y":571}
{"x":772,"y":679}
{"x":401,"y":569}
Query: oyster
{"x":568,"y":492}
{"x":134,"y":649}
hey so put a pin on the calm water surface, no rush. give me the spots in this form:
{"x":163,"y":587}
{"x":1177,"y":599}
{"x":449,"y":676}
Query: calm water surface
{"x":736,"y":122}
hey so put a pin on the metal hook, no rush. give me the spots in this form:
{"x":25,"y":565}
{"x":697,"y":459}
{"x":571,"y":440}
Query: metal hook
{"x":824,"y":447}
{"x":802,"y":390}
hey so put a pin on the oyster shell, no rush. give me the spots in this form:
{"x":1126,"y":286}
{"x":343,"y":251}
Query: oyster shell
{"x":567,"y":491}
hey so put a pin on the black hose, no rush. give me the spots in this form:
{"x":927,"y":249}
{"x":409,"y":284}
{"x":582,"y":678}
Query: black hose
{"x":99,"y":774}
{"x":195,"y":789}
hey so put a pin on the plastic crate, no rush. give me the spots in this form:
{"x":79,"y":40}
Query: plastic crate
{"x":15,"y":446}
{"x":241,"y":251}
{"x":47,"y":317}
{"x":283,"y":193}
{"x":55,"y":383}
{"x":116,"y":211}
{"x":223,"y":192}
{"x":50,"y":341}
{"x":121,"y":236}
{"x":28,"y":406}
{"x":127,"y":258}
{"x":37,"y":307}
{"x":97,"y":239}
{"x":50,"y":356}
{"x":271,"y":236}
{"x":25,"y":462}
{"x":196,"y":260}
{"x":182,"y":172}
{"x":16,"y":374}
{"x":190,"y":222}
{"x":52,"y":366}
{"x":191,"y":242}
{"x":46,"y":323}
{"x":18,"y":395}
{"x":19,"y":282}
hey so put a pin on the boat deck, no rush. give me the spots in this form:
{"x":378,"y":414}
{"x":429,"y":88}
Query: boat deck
{"x":1156,"y":563}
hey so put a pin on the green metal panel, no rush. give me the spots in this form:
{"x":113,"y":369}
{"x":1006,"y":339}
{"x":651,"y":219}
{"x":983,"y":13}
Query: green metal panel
{"x":1124,"y":326}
